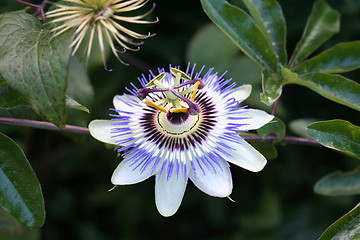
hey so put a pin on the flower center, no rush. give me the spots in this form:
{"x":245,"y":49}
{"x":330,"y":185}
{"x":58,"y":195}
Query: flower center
{"x":184,"y":92}
{"x":103,"y":10}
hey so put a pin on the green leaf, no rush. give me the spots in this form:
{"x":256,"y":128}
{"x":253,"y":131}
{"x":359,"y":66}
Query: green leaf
{"x":273,"y":82}
{"x":34,"y":64}
{"x":333,"y":87}
{"x":347,"y":227}
{"x":71,"y":103}
{"x":343,"y":57}
{"x":9,"y":98}
{"x":337,"y":134}
{"x":269,"y":17}
{"x":322,"y":23}
{"x":243,"y":31}
{"x":339,"y":184}
{"x":272,"y":86}
{"x":268,"y":150}
{"x":20,"y":191}
{"x":276,"y":126}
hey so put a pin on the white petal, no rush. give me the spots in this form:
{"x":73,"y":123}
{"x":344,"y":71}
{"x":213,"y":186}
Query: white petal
{"x":217,"y":183}
{"x":245,"y":156}
{"x":252,"y":119}
{"x":101,"y":130}
{"x":241,"y":93}
{"x":127,"y":173}
{"x":121,"y":102}
{"x":169,"y":193}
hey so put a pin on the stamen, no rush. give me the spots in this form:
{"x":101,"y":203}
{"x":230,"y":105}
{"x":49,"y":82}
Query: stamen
{"x":154,"y":105}
{"x":171,"y":95}
{"x":177,"y":79}
{"x":175,"y":110}
{"x":152,"y":82}
{"x":196,"y":86}
{"x":193,"y":107}
{"x":183,"y":75}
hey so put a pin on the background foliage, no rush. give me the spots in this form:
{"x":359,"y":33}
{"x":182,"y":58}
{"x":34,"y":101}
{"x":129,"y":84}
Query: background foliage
{"x":277,"y":203}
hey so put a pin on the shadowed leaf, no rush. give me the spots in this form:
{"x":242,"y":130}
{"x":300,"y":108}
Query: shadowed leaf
{"x":20,"y":191}
{"x":337,"y":134}
{"x":34,"y":64}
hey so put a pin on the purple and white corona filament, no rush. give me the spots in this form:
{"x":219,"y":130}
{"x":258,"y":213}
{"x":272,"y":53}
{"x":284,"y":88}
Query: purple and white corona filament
{"x":180,"y":125}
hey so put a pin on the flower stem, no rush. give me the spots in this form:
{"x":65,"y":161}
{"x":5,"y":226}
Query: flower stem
{"x":85,"y":131}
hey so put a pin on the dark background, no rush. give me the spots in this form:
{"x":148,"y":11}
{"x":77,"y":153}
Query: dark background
{"x":276,"y":203}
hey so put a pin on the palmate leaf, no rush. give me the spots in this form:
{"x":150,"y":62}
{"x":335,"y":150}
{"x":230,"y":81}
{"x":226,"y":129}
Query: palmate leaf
{"x":322,"y":23}
{"x":34,"y":64}
{"x":269,"y":17}
{"x":337,"y":134}
{"x":339,"y":184}
{"x":334,"y":87}
{"x":259,"y":38}
{"x":347,"y":227}
{"x":20,"y":191}
{"x":343,"y":57}
{"x":243,"y":31}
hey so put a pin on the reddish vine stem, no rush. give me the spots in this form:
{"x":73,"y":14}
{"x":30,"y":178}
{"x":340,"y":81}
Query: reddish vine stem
{"x":39,"y":7}
{"x":85,"y":131}
{"x":286,"y":139}
{"x":274,"y":107}
{"x":42,"y":125}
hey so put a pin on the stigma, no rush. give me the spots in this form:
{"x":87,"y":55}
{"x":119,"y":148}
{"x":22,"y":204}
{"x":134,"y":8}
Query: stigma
{"x":181,"y":95}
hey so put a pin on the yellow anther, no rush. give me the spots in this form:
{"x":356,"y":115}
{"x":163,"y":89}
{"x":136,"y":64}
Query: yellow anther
{"x":196,"y":86}
{"x":158,"y":77}
{"x":175,"y":110}
{"x":154,"y":105}
{"x":183,"y":75}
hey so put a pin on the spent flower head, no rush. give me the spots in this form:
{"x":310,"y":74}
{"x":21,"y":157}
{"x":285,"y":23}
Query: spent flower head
{"x":180,"y":125}
{"x":101,"y":19}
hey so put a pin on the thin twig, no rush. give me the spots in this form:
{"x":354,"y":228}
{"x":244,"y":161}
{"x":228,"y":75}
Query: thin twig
{"x":27,"y":4}
{"x":85,"y":131}
{"x":274,"y":107}
{"x":42,"y":125}
{"x":39,"y":7}
{"x":286,"y":139}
